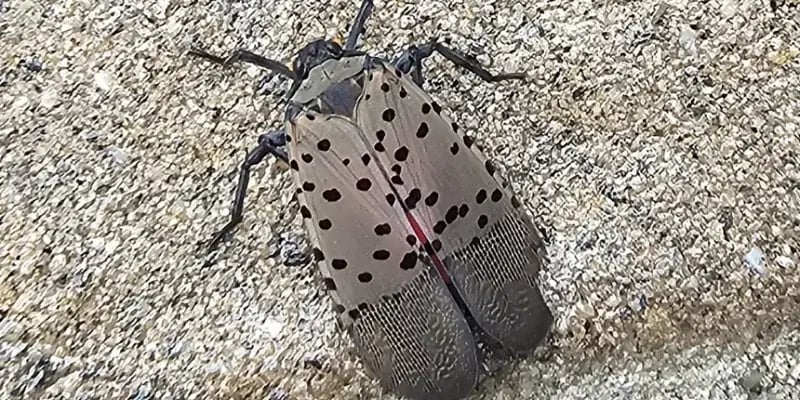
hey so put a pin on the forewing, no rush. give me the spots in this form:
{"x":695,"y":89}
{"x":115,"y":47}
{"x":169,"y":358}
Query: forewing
{"x":405,"y":324}
{"x":476,"y":226}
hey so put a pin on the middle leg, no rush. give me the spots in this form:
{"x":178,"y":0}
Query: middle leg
{"x":245,"y":56}
{"x":411,"y":61}
{"x":267,"y":144}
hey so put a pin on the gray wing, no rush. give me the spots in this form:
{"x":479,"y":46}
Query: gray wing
{"x":475,"y":225}
{"x":406,"y":326}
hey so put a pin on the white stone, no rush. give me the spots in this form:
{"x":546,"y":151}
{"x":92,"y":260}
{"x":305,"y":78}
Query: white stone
{"x":755,"y":261}
{"x":103,"y":80}
{"x":784,"y":262}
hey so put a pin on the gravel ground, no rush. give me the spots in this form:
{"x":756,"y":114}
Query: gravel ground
{"x":658,"y":144}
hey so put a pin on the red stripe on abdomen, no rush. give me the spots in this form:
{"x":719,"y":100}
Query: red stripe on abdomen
{"x":424,"y":240}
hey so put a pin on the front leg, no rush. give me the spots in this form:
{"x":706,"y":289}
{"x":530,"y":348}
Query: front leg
{"x":358,"y":24}
{"x":269,"y":143}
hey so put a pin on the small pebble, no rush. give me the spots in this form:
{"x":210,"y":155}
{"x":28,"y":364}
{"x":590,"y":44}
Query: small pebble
{"x":752,"y":382}
{"x":755,"y":261}
{"x":784,"y":262}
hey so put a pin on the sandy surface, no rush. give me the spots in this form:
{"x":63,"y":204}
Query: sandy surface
{"x":658,"y":144}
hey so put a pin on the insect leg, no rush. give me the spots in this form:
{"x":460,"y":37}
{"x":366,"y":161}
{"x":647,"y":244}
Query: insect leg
{"x":268,"y":143}
{"x":410,"y":61}
{"x":242,"y":55}
{"x":413,"y":56}
{"x":358,"y":24}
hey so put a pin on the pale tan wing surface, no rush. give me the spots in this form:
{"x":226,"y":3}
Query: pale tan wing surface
{"x":407,"y":328}
{"x":476,"y":226}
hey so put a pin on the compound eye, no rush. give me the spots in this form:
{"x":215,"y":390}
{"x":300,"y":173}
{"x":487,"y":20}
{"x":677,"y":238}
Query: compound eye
{"x":297,"y":67}
{"x":334,"y":48}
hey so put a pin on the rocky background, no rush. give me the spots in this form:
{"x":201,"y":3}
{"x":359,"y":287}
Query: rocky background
{"x":656,"y":142}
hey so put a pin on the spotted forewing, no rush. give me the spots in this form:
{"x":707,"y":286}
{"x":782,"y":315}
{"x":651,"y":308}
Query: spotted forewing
{"x":406,"y":325}
{"x":401,"y":206}
{"x":476,"y":226}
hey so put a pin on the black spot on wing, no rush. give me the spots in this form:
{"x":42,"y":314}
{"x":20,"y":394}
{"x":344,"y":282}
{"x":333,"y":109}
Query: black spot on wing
{"x":431,"y":199}
{"x":422,"y":130}
{"x":414,"y":196}
{"x":325,"y":224}
{"x":451,"y":214}
{"x":329,"y":284}
{"x":324,"y":145}
{"x":468,"y":141}
{"x":454,"y":149}
{"x":308,"y":186}
{"x":497,"y":194}
{"x":409,"y":260}
{"x":363,"y":184}
{"x":354,"y":313}
{"x":365,"y":277}
{"x":383,"y":229}
{"x":482,"y":221}
{"x":318,"y":255}
{"x":307,"y":158}
{"x":481,"y":196}
{"x":388,"y":115}
{"x":338,"y":264}
{"x":331,"y":195}
{"x":489,"y":167}
{"x":381,"y":255}
{"x":401,"y":154}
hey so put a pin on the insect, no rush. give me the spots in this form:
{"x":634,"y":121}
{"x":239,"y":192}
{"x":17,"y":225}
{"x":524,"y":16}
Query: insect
{"x":425,"y":251}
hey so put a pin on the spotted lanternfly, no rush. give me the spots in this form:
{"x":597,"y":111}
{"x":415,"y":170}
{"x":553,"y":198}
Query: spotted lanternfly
{"x":425,"y":252}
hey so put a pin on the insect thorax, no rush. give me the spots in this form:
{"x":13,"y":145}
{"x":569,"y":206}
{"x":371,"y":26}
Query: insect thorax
{"x":332,"y":87}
